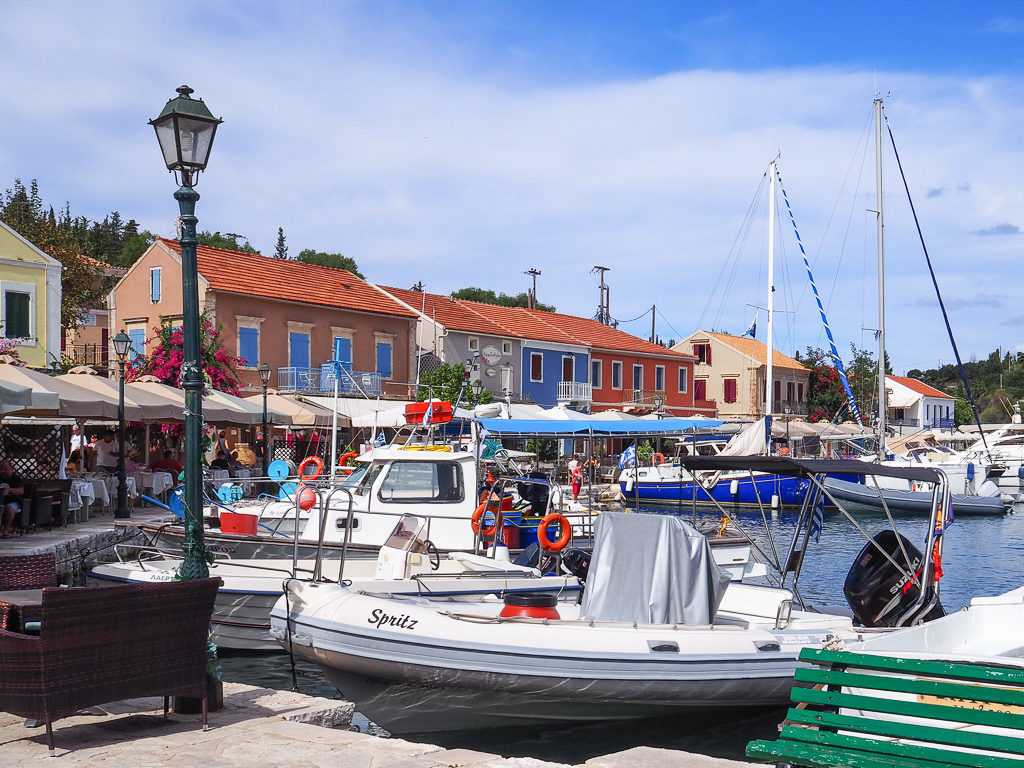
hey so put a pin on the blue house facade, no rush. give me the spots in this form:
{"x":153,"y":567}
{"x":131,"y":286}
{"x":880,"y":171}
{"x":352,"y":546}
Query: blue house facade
{"x":544,"y":365}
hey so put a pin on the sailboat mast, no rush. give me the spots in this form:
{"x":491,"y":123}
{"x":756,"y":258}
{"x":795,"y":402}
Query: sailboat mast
{"x":881,"y":281}
{"x":769,"y":388}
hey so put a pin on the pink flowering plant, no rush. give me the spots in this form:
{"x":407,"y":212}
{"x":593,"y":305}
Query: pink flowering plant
{"x":220,"y":369}
{"x":10,"y":347}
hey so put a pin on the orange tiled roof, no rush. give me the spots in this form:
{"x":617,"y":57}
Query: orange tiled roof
{"x":521,"y":322}
{"x":448,"y":311}
{"x":252,"y":275}
{"x":601,"y":336}
{"x":757,"y":350}
{"x":919,"y":386}
{"x":108,"y":268}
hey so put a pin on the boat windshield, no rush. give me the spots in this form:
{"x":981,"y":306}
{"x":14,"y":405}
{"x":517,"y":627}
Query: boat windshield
{"x":423,"y":482}
{"x":406,"y":535}
{"x":364,"y":483}
{"x":356,"y":477}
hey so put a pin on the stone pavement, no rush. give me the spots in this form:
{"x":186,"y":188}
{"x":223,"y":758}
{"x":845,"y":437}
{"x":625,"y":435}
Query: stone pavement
{"x":261,"y":728}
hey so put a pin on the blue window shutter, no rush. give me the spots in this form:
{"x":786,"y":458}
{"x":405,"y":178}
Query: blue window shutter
{"x":249,"y":346}
{"x":298,"y":348}
{"x":384,"y":359}
{"x":154,"y":284}
{"x":138,"y":337}
{"x":343,"y":351}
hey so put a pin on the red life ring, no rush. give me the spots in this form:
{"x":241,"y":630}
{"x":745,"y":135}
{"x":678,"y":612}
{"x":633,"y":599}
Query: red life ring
{"x":345,"y":457}
{"x":316,"y":461}
{"x":565,"y":532}
{"x":475,"y":524}
{"x":657,"y":460}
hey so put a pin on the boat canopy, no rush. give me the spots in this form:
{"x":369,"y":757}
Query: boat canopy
{"x":651,"y":569}
{"x":595,"y":427}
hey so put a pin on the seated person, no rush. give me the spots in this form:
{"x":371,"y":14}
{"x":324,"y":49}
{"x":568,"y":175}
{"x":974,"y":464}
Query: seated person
{"x":167,"y":464}
{"x":221,"y":462}
{"x":131,"y":463}
{"x":11,"y":491}
{"x":75,"y":461}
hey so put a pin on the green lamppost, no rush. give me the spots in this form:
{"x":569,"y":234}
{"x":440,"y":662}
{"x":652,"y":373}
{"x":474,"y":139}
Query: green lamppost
{"x":264,"y":371}
{"x":185,"y":129}
{"x":122,"y":343}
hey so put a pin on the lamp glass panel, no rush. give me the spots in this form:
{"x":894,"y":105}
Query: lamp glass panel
{"x":168,"y":145}
{"x":196,"y":137}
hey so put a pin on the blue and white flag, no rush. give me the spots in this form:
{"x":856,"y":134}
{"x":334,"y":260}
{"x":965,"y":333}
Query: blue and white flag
{"x":628,"y":457}
{"x":752,"y":330}
{"x":428,"y":414}
{"x":380,"y":439}
{"x":818,"y":518}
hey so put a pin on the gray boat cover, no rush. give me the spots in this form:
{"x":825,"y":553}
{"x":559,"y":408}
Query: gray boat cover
{"x":651,"y":569}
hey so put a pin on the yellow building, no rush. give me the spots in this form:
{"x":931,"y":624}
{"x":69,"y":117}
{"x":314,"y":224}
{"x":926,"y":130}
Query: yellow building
{"x":30,"y":296}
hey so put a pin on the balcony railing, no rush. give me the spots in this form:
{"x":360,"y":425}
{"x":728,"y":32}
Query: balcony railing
{"x":903,"y":422}
{"x":574,"y":392}
{"x":641,"y":396}
{"x":321,"y":381}
{"x":95,"y":355}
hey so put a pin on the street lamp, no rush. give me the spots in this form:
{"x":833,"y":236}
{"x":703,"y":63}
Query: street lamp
{"x":477,"y":387}
{"x":264,"y":372}
{"x":185,"y":129}
{"x":122,"y":343}
{"x":658,"y":402}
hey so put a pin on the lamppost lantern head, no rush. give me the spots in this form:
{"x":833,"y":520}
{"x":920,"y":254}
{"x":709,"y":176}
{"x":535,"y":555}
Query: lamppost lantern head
{"x":477,"y":387}
{"x":185,"y":129}
{"x":658,"y":401}
{"x":122,"y":343}
{"x":264,"y":371}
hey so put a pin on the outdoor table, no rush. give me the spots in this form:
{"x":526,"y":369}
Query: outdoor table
{"x":157,"y":482}
{"x":99,"y":489}
{"x":220,"y":476}
{"x":129,"y":482}
{"x":243,"y":475}
{"x":20,"y":606}
{"x":82,"y":497}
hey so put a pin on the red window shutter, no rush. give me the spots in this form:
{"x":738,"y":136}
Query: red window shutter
{"x":707,"y":354}
{"x":800,"y":392}
{"x":700,"y":389}
{"x":730,"y":390}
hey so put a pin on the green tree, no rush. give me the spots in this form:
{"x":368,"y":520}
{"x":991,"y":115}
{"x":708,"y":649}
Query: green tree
{"x":334,"y":260}
{"x":280,"y":250}
{"x":228,"y":241}
{"x":445,"y":384}
{"x":501,"y":299}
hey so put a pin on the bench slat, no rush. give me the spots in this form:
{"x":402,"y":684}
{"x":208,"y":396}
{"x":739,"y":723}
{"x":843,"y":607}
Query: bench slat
{"x":898,"y":707}
{"x":897,"y":749}
{"x":989,"y":672}
{"x":918,"y":732}
{"x":818,"y":756}
{"x":963,"y":690}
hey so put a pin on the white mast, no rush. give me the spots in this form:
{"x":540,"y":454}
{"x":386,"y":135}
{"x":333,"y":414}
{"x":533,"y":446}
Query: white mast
{"x":769,"y":388}
{"x":881,"y":281}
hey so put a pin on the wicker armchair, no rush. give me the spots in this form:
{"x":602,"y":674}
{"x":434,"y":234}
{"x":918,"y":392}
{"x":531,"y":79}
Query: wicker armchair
{"x":103,"y":644}
{"x":26,"y":572}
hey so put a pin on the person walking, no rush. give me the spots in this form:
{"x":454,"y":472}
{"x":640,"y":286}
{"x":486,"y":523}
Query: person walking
{"x":106,"y":452}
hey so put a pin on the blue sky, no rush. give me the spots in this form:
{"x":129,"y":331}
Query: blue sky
{"x":462,"y":143}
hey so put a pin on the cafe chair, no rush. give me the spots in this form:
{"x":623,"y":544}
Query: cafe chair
{"x":25,"y":572}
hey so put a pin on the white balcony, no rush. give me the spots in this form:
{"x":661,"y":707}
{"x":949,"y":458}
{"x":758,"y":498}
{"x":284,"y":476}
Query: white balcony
{"x":574,"y":392}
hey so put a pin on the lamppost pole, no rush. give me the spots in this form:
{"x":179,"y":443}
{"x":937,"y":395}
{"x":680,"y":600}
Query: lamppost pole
{"x":264,"y":371}
{"x":122,"y":342}
{"x":185,"y":129}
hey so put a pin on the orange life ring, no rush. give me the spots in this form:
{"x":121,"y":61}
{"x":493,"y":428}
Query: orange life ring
{"x":565,"y":532}
{"x":316,"y":461}
{"x":657,"y":460}
{"x":346,"y":456}
{"x":477,"y":527}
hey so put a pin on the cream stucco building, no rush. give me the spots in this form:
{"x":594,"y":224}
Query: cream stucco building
{"x":30,"y":296}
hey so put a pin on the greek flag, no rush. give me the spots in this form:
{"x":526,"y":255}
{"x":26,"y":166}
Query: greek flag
{"x":428,"y":414}
{"x":818,"y":518}
{"x":628,"y":457}
{"x":380,"y":439}
{"x":752,"y":330}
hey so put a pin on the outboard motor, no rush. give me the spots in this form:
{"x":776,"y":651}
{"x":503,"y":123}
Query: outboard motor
{"x":880,"y":593}
{"x":577,"y":562}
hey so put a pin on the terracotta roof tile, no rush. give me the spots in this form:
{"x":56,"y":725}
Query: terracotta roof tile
{"x":757,"y":350}
{"x":919,"y":386}
{"x":253,"y":275}
{"x":522,"y":323}
{"x":601,"y":336}
{"x":448,"y":311}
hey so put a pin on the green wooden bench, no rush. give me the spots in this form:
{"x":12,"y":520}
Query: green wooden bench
{"x":834,"y":726}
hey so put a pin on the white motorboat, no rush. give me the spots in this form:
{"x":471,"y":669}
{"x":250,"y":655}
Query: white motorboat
{"x":407,"y":564}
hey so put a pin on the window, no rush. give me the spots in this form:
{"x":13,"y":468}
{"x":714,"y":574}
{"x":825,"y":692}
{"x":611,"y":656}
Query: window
{"x":249,"y":347}
{"x":506,"y":347}
{"x":616,"y":374}
{"x":700,"y":389}
{"x":384,"y":359}
{"x":790,"y":389}
{"x":703,"y":353}
{"x":730,"y":390}
{"x":17,"y":315}
{"x":342,"y":351}
{"x":298,"y":349}
{"x":595,"y":374}
{"x":422,"y":482}
{"x":568,"y":368}
{"x":682,"y":380}
{"x":474,"y":343}
{"x":800,"y":392}
{"x":927,"y":411}
{"x":536,"y":366}
{"x":154,"y":284}
{"x":138,"y":337}
{"x":638,"y":376}
{"x":659,"y":378}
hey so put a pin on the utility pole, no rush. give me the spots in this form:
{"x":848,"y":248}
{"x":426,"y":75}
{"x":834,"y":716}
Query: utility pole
{"x":533,"y":294}
{"x":604,"y":309}
{"x":654,"y":338}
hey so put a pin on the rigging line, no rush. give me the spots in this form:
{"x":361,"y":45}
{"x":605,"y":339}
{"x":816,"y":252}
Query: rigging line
{"x":662,"y":316}
{"x":821,"y":309}
{"x":938,"y":293}
{"x":739,"y":238}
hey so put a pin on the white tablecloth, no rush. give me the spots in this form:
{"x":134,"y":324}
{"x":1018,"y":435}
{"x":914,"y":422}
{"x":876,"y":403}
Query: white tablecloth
{"x":157,"y":482}
{"x":98,"y":488}
{"x":82,"y":494}
{"x":130,"y":484}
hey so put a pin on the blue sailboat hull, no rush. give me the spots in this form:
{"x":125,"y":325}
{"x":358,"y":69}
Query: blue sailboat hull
{"x":756,"y":490}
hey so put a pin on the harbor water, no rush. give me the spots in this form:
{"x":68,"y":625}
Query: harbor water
{"x":981,"y":556}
